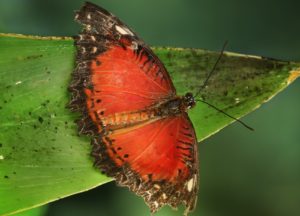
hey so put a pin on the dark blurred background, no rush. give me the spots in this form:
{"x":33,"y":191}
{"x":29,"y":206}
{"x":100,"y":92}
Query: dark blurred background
{"x":242,"y":172}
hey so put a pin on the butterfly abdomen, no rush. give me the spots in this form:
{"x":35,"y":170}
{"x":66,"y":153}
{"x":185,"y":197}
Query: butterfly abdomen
{"x":127,"y":119}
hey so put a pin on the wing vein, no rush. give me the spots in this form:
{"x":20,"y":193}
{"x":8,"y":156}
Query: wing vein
{"x":155,"y":135}
{"x":151,"y":80}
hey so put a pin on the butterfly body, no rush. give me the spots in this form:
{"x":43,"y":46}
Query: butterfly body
{"x":140,"y":130}
{"x":172,"y":107}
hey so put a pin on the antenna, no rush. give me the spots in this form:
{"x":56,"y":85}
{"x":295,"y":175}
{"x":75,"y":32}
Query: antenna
{"x":212,"y":70}
{"x":205,"y":83}
{"x":230,"y":116}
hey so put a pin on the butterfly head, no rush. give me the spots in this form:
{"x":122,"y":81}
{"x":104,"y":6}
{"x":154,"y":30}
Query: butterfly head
{"x":189,"y":100}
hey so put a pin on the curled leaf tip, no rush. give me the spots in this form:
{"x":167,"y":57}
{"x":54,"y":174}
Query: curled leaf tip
{"x":294,"y":74}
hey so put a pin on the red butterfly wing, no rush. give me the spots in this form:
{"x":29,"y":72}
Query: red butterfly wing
{"x":116,"y":71}
{"x":160,"y":159}
{"x":124,"y":81}
{"x":118,"y":79}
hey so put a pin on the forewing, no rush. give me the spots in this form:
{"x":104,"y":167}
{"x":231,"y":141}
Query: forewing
{"x":157,"y":161}
{"x":116,"y":71}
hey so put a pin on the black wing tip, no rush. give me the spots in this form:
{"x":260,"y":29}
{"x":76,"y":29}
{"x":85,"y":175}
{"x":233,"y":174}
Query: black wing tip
{"x":89,"y":4}
{"x":90,"y":10}
{"x":91,"y":7}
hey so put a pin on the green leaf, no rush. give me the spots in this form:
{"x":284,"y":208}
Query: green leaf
{"x":33,"y":212}
{"x":42,"y":158}
{"x":240,"y":84}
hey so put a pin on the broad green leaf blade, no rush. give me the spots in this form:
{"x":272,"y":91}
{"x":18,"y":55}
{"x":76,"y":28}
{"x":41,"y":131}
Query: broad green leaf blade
{"x":41,"y":156}
{"x":239,"y":84}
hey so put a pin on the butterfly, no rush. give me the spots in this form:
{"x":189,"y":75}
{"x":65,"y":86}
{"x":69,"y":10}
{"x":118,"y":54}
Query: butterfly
{"x":140,"y":131}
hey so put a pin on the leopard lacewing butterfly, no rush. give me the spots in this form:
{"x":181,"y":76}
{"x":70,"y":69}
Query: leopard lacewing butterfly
{"x":140,"y":130}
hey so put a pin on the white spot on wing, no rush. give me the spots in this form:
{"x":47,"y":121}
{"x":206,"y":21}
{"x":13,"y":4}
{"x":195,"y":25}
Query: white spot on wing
{"x":190,"y":184}
{"x":134,"y":45}
{"x":88,"y":16}
{"x":94,"y":50}
{"x":123,"y":30}
{"x":156,"y":186}
{"x":88,"y":27}
{"x":149,"y":195}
